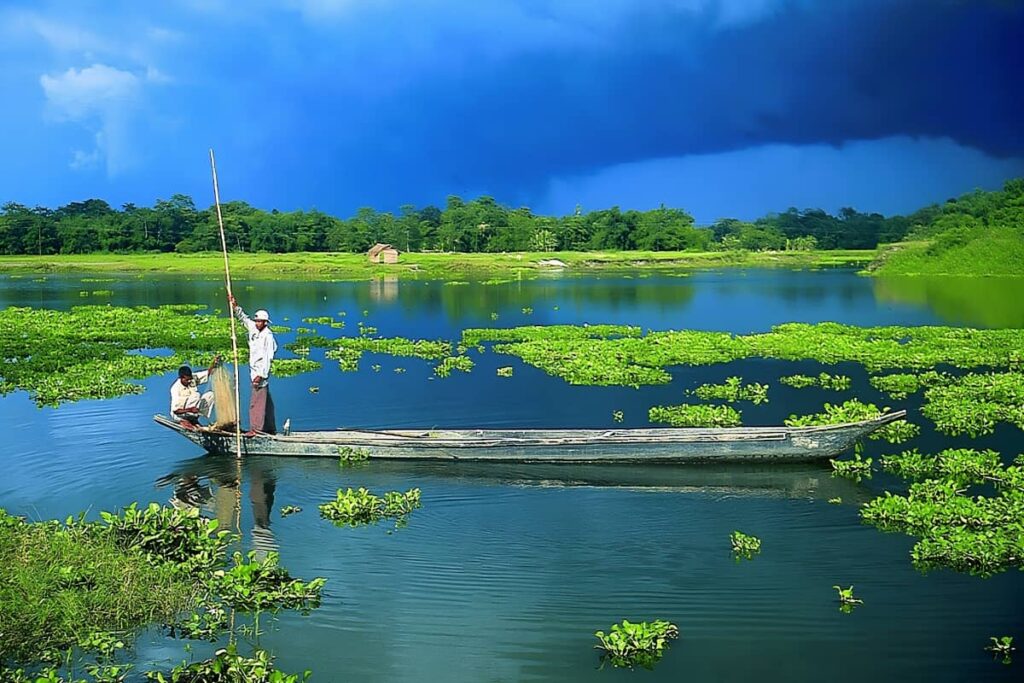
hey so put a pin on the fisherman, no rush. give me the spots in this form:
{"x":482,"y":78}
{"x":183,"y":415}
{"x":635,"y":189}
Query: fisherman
{"x":262,"y":347}
{"x":187,"y":404}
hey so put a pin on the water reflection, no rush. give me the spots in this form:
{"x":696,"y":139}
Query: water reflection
{"x":989,"y":302}
{"x":215,"y":484}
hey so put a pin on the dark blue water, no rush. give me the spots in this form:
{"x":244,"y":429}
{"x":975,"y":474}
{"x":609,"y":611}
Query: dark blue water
{"x":506,"y":571}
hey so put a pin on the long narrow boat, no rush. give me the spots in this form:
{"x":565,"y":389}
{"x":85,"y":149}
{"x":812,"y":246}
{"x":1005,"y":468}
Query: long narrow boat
{"x":671,"y":445}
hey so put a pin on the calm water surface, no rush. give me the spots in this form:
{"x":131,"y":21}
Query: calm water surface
{"x":506,"y":571}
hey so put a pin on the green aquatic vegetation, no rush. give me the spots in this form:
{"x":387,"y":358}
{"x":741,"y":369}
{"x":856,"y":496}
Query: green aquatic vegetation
{"x":527,"y":310}
{"x":799,"y":381}
{"x":91,"y":351}
{"x":744,"y":546}
{"x":975,"y":403}
{"x":375,"y":367}
{"x":366,"y":330}
{"x":582,"y":358}
{"x":900,"y":385}
{"x":899,"y":431}
{"x":629,"y":644}
{"x":972,"y":533}
{"x":356,"y":507}
{"x":618,"y":416}
{"x":254,"y":585}
{"x":856,"y":469}
{"x":849,"y":411}
{"x":227,"y":666}
{"x":348,"y":358}
{"x":348,"y":455}
{"x":289,"y":367}
{"x":505,"y":371}
{"x":314,"y":389}
{"x":733,"y":390}
{"x":833,"y":382}
{"x":847,"y":600}
{"x":461,"y":363}
{"x":1001,"y":647}
{"x":494,"y":316}
{"x":181,"y":537}
{"x":305,"y":330}
{"x":960,"y":465}
{"x":835,"y":501}
{"x":399,"y":371}
{"x":287,"y":510}
{"x":695,"y":415}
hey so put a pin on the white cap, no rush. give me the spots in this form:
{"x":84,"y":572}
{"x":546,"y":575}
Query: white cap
{"x":261,"y":315}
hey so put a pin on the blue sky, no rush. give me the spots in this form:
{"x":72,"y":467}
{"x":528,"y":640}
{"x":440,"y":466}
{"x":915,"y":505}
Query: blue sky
{"x":722,"y":107}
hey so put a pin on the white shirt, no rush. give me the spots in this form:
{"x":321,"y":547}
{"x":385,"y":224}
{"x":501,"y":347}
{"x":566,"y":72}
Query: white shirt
{"x":182,"y":396}
{"x":262,"y":347}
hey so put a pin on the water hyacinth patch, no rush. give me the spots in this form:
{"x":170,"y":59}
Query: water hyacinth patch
{"x":847,"y":600}
{"x":1001,"y":648}
{"x":460,"y":363}
{"x":963,"y":466}
{"x":695,"y":415}
{"x":823,"y":380}
{"x":357,"y":507}
{"x":975,"y":403}
{"x":629,"y":644}
{"x":257,"y":585}
{"x":733,"y":390}
{"x":744,"y":546}
{"x":856,"y":469}
{"x":900,"y":385}
{"x":228,"y":666}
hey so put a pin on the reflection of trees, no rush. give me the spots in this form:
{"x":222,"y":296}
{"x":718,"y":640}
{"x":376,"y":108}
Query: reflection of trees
{"x":991,"y":302}
{"x":480,"y":300}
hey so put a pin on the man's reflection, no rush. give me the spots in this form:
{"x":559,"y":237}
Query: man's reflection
{"x":211,"y":484}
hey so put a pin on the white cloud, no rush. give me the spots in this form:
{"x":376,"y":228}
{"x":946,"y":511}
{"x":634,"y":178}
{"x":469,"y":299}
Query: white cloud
{"x":104,"y":100}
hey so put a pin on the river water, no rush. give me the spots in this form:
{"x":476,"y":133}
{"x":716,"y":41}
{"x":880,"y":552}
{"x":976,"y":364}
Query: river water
{"x":507,"y":570}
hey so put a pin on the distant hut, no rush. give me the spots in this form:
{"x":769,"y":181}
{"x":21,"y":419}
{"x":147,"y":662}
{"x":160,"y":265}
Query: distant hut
{"x":383,"y":253}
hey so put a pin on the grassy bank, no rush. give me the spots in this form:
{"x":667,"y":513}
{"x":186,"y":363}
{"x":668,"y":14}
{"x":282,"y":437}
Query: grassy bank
{"x":980,"y":252}
{"x":345,"y":266}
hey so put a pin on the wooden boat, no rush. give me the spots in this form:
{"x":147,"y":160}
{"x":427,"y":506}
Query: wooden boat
{"x":668,"y":445}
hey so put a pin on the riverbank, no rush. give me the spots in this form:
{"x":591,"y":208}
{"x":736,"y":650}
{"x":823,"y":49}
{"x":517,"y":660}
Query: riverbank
{"x":345,"y":266}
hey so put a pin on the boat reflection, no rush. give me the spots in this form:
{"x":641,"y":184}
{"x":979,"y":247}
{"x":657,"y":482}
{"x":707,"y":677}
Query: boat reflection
{"x":807,"y":481}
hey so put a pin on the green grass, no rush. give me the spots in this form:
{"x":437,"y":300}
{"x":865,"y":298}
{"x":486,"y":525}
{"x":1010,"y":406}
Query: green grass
{"x":60,"y":585}
{"x":345,"y":266}
{"x":984,"y":252}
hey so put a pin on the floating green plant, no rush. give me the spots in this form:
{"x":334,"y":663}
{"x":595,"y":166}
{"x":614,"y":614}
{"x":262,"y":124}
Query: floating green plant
{"x":975,"y":403}
{"x":847,"y":600}
{"x":227,"y":666}
{"x":1001,"y":648}
{"x":823,"y":380}
{"x":856,"y":469}
{"x":287,"y":510}
{"x":461,"y":363}
{"x":258,"y":585}
{"x":527,"y":310}
{"x":961,"y":465}
{"x":505,"y":371}
{"x":355,"y":507}
{"x":744,"y":546}
{"x":979,"y":534}
{"x":734,"y":390}
{"x":900,"y":385}
{"x":629,"y":644}
{"x":288,"y":367}
{"x":617,"y":416}
{"x":835,"y":501}
{"x":695,"y":415}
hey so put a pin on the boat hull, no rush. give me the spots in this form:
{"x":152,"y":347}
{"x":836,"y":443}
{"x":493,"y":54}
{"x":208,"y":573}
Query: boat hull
{"x":674,"y":445}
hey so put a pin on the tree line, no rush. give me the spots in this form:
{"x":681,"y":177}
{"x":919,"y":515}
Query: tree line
{"x":478,"y":225}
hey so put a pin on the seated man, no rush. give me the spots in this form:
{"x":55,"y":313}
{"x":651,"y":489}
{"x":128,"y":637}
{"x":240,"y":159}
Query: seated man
{"x":187,"y":404}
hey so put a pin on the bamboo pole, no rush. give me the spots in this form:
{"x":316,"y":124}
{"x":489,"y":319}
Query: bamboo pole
{"x":231,"y":309}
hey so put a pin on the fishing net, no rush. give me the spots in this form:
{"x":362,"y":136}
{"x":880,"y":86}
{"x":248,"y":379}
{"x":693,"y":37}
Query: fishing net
{"x":223,"y":384}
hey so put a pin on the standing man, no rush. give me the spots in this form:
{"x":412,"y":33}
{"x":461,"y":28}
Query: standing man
{"x":262,"y":347}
